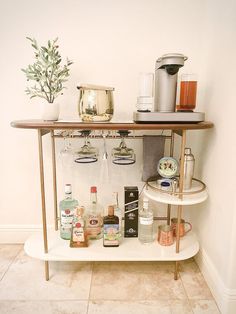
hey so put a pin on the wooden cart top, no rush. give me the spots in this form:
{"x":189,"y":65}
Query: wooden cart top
{"x":60,"y":125}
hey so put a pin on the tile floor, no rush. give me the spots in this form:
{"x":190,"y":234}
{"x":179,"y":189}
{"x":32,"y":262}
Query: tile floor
{"x":101,"y":288}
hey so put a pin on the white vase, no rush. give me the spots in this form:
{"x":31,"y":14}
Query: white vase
{"x":49,"y":111}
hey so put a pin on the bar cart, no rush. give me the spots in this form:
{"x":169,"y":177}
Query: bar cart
{"x":48,"y":246}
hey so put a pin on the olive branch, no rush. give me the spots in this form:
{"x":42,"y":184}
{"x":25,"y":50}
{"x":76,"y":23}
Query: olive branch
{"x":47,"y":72}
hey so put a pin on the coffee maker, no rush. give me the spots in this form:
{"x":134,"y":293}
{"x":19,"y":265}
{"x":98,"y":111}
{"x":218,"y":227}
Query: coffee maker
{"x":166,"y":75}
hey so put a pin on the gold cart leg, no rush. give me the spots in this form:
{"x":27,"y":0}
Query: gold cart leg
{"x":180,"y":207}
{"x":54,"y":171}
{"x":168,"y":214}
{"x":176,"y":270}
{"x":171,"y":154}
{"x":40,"y":134}
{"x":46,"y":270}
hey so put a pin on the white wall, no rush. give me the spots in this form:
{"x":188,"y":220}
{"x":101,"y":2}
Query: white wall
{"x":110,"y":42}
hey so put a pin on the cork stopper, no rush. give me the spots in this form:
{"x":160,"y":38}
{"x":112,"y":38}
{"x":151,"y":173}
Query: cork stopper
{"x":110,"y":210}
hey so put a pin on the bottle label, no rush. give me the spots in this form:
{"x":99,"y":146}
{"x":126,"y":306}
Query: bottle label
{"x":111,"y":234}
{"x":78,"y":234}
{"x":66,"y":218}
{"x":146,"y":220}
{"x":94,"y":225}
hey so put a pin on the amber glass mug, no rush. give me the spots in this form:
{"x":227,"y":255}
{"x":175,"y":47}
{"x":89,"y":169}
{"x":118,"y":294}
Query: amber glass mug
{"x":182,"y":230}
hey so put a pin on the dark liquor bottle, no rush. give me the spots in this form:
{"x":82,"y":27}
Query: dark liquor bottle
{"x":111,"y":229}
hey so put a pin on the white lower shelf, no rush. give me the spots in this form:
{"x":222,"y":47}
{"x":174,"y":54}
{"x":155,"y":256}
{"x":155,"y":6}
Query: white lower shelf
{"x":129,"y":250}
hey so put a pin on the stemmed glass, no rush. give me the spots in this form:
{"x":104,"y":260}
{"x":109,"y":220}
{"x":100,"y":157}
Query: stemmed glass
{"x":65,"y":154}
{"x":122,"y":155}
{"x":87,"y":153}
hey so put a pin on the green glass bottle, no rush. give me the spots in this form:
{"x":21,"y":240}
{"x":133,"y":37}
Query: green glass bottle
{"x":67,"y":208}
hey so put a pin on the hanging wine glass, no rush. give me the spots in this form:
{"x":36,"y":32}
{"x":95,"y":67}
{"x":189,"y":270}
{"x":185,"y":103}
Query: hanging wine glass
{"x":87,"y":153}
{"x":65,"y":154}
{"x":123,"y":155}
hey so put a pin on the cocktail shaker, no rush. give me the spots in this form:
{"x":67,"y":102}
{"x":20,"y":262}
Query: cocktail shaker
{"x":189,"y":162}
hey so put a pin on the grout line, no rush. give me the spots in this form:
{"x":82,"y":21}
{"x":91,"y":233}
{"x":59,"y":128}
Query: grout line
{"x":188,"y":300}
{"x":90,"y":287}
{"x":12,"y":261}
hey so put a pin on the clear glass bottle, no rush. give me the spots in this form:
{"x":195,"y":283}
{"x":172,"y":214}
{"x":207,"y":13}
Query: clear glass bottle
{"x":145,"y":224}
{"x":67,"y":207}
{"x":111,"y":236}
{"x":94,"y":217}
{"x":117,"y":211}
{"x":78,"y":234}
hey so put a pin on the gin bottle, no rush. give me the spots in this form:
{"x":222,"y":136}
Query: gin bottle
{"x":145,"y":224}
{"x":94,"y":219}
{"x":67,"y":207}
{"x":117,"y":211}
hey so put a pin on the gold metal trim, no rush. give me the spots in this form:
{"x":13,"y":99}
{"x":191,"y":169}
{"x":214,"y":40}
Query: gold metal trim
{"x":178,"y":193}
{"x":54,"y":172}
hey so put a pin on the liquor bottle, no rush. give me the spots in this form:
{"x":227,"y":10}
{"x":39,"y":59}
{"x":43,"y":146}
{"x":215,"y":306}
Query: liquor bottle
{"x":111,"y":229}
{"x":117,"y":211}
{"x":94,"y":219}
{"x":78,"y":234}
{"x":67,"y":207}
{"x":146,"y":224}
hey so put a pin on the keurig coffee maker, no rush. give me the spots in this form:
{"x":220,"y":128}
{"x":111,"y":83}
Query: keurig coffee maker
{"x":166,"y":75}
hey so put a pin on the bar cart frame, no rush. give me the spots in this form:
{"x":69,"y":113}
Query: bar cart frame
{"x":48,"y":127}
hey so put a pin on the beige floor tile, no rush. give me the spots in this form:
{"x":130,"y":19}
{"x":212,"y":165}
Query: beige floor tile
{"x":180,"y":307}
{"x":25,"y":280}
{"x":204,"y":307}
{"x":133,"y":266}
{"x":7,"y":254}
{"x":194,"y":282}
{"x":129,"y":307}
{"x":134,"y":285}
{"x":43,"y":307}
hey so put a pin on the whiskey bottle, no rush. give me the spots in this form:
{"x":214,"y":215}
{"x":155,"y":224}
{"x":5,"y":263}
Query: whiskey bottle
{"x":94,"y":219}
{"x":145,"y":224}
{"x":78,"y":234}
{"x":111,"y":229}
{"x":67,"y":207}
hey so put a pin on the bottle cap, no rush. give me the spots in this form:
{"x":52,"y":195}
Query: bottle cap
{"x":68,"y":189}
{"x":110,"y":210}
{"x":93,"y":189}
{"x":187,"y":151}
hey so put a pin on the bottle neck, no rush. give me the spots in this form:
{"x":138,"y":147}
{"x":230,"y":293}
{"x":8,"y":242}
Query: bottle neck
{"x":145,"y":206}
{"x":93,"y":198}
{"x":68,"y":196}
{"x":115,"y":199}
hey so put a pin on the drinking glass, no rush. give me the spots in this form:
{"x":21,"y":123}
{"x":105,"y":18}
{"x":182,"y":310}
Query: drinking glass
{"x":188,"y":92}
{"x":65,"y":154}
{"x":87,"y":153}
{"x":122,"y":155}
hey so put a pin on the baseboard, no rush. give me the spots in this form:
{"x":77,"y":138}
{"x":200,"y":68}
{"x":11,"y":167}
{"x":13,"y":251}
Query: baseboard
{"x":18,"y":233}
{"x":225,"y":298}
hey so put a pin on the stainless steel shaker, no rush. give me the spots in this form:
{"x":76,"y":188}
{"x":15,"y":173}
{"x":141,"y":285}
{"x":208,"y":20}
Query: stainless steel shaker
{"x":189,"y":162}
